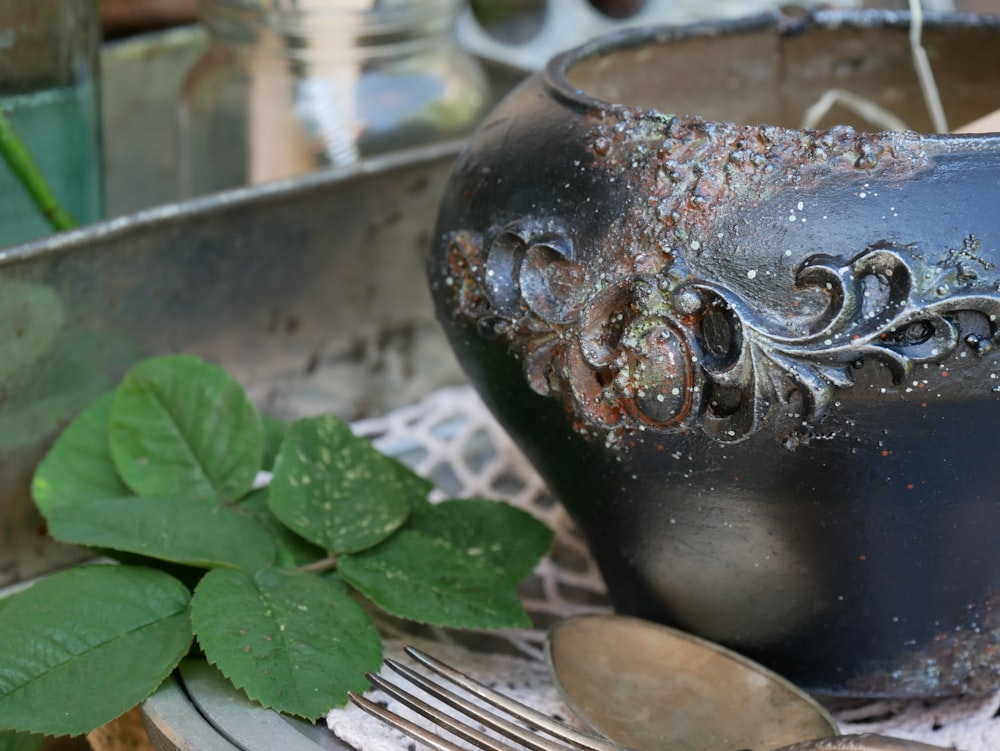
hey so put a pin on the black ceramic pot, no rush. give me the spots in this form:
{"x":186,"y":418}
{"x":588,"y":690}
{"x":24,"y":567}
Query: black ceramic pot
{"x":756,"y":363}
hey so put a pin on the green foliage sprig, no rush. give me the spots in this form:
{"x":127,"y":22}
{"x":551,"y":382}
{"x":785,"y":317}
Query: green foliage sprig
{"x":161,"y":473}
{"x":24,"y":167}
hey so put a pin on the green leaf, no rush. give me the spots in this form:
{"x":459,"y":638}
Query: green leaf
{"x":293,"y":642}
{"x":12,"y":741}
{"x":454,"y":563}
{"x":182,"y":530}
{"x":335,"y":489}
{"x":412,"y":485}
{"x":87,"y":644}
{"x":293,"y":551}
{"x":78,"y":468}
{"x":181,"y":427}
{"x":423,"y":578}
{"x":502,"y":538}
{"x":274,"y":433}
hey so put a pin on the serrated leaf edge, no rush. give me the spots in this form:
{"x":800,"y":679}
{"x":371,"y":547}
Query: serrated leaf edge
{"x":362,"y":684}
{"x":118,"y":637}
{"x":505,"y":587}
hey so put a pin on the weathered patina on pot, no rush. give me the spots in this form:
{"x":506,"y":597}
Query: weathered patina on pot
{"x":757,"y":363}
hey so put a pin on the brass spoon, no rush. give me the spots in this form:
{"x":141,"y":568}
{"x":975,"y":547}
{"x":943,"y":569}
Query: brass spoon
{"x":654,"y":688}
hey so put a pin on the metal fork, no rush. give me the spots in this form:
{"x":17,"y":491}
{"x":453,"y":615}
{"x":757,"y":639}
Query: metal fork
{"x":530,"y":721}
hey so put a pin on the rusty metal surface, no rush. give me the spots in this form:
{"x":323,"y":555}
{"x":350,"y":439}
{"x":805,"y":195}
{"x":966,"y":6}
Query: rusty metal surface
{"x":756,"y":363}
{"x":656,"y":282}
{"x":311,"y":292}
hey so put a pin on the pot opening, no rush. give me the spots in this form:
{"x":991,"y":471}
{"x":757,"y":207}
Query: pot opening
{"x":831,"y":69}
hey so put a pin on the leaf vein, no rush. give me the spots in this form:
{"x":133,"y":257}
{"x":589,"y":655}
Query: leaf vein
{"x":49,"y":669}
{"x":185,"y":439}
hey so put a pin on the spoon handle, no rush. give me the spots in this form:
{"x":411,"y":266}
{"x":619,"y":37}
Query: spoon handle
{"x":861,"y":742}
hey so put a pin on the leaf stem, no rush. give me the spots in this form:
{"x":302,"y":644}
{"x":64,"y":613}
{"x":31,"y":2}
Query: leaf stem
{"x":320,"y":566}
{"x":24,"y":167}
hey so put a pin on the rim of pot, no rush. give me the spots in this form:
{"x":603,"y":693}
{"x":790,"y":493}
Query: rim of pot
{"x":555,"y":73}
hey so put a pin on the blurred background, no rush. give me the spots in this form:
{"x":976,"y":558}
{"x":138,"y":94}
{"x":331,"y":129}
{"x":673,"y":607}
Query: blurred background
{"x":163,"y":100}
{"x":203,"y":97}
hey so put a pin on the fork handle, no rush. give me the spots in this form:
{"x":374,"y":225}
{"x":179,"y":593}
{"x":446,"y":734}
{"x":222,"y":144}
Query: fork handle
{"x":861,"y":742}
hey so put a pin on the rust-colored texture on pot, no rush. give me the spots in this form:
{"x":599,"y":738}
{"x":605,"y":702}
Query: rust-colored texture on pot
{"x":756,"y":362}
{"x":640,"y":334}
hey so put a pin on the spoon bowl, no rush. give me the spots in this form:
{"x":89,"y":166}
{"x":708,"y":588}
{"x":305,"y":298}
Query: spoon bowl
{"x":651,"y":687}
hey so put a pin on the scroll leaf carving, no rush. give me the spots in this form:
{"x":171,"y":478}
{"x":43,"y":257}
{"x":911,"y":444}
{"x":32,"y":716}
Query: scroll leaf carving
{"x":633,"y":351}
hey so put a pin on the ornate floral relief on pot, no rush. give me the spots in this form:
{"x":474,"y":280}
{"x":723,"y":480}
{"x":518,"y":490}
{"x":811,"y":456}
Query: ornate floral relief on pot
{"x":642,"y":332}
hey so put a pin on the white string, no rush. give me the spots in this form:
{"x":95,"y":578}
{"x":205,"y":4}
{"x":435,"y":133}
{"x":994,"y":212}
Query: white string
{"x":922,"y":65}
{"x":873,"y":113}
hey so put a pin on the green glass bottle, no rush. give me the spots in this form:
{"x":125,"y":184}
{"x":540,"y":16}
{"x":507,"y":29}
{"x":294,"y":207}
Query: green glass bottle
{"x":49,"y":63}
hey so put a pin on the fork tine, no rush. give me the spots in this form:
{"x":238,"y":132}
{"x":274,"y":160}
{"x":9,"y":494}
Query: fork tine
{"x":491,"y":720}
{"x":525,"y":734}
{"x":422,"y":734}
{"x":529,"y":715}
{"x":441,"y":718}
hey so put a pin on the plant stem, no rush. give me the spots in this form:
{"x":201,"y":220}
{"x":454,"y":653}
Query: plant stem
{"x":27,"y":171}
{"x":320,"y":566}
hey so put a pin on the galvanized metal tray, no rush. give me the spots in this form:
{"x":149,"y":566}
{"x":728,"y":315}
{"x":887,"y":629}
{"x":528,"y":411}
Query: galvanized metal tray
{"x":310,"y":291}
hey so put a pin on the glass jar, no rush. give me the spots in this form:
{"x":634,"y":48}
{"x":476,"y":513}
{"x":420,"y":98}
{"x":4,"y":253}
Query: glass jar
{"x":49,"y":63}
{"x":288,"y":86}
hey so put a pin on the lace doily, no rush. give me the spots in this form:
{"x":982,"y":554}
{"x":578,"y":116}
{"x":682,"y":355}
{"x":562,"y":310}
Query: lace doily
{"x":451,"y":438}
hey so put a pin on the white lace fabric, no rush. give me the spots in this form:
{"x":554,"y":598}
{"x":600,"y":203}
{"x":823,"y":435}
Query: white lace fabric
{"x":451,"y":438}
